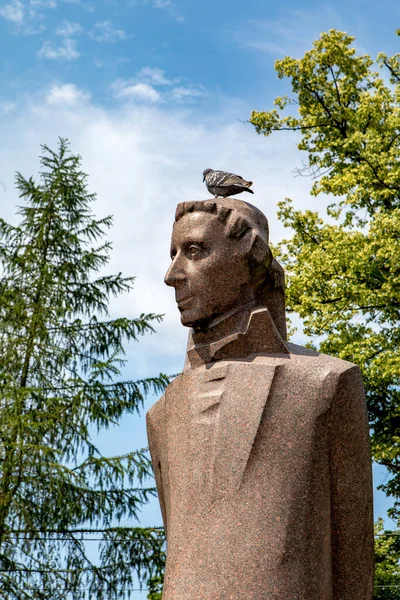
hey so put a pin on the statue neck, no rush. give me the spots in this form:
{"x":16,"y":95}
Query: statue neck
{"x":237,"y":335}
{"x":234,"y":320}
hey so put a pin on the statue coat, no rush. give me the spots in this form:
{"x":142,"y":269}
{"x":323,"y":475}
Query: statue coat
{"x":263,"y":471}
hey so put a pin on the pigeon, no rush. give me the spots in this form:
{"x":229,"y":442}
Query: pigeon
{"x":223,"y":184}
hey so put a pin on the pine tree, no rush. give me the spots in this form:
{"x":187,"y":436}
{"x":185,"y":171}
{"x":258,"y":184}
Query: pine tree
{"x":60,"y":361}
{"x":155,"y":588}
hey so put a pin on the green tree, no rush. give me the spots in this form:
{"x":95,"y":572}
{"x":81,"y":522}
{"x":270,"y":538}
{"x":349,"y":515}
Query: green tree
{"x":387,"y":565}
{"x":155,"y":588}
{"x":343,"y":270}
{"x":60,"y":361}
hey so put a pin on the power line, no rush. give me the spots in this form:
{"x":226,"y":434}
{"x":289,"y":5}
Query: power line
{"x":151,"y":529}
{"x":385,"y":586}
{"x":147,"y":589}
{"x":98,"y":540}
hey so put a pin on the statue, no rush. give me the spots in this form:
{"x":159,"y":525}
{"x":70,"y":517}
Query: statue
{"x":260,"y":447}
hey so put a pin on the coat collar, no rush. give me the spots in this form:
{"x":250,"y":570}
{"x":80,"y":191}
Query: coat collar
{"x":239,"y":335}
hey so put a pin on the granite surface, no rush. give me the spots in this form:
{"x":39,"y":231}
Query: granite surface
{"x":260,"y":447}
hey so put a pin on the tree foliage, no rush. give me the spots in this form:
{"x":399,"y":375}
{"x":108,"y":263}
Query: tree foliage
{"x":155,"y":588}
{"x":343,"y":270}
{"x":60,"y":361}
{"x":387,"y":567}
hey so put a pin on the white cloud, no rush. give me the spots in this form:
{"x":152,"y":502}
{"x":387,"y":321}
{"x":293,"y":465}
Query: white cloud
{"x":82,"y":3}
{"x":68,"y":29}
{"x":67,"y":94}
{"x":162,"y":3}
{"x":32,"y":28}
{"x":170,"y":7}
{"x":154,"y":75}
{"x":105,"y":31}
{"x":67,"y":50}
{"x":147,"y":83}
{"x":182,"y":93}
{"x":14,"y":11}
{"x":290,"y":35}
{"x":43,"y":3}
{"x":135,"y":91}
{"x":25,"y":15}
{"x":120,"y":60}
{"x":167,"y":5}
{"x":99,"y":64}
{"x":6,"y":107}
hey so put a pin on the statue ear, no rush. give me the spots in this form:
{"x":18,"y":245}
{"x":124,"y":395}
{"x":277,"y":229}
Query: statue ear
{"x":269,"y":277}
{"x":260,"y":253}
{"x":271,"y":294}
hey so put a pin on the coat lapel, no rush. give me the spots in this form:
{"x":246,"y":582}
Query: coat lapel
{"x":246,"y":390}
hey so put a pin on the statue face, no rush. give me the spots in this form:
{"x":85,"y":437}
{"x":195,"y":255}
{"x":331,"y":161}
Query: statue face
{"x":209,"y":271}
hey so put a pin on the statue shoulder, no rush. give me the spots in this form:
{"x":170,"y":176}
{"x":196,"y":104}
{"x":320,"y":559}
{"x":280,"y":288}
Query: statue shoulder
{"x":334,"y":375}
{"x":320,"y":360}
{"x":155,"y":414}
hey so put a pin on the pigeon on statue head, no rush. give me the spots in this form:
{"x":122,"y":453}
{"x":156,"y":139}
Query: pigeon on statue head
{"x":223,"y":184}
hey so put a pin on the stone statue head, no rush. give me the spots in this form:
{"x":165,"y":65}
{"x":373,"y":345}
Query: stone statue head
{"x":221,"y":261}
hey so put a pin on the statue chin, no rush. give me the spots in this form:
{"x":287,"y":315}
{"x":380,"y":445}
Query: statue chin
{"x":200,"y":318}
{"x":190,"y":320}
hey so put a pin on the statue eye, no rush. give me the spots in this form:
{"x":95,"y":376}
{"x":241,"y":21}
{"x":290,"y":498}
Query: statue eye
{"x":194,"y":250}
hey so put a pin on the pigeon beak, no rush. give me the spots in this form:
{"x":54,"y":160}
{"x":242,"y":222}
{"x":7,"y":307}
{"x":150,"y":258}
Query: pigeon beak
{"x":204,"y":178}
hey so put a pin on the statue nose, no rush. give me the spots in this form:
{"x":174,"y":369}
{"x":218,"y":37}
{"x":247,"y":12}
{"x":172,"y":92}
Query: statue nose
{"x":174,"y":274}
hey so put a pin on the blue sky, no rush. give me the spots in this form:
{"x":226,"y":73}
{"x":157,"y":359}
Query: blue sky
{"x":206,"y":50}
{"x":151,"y":92}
